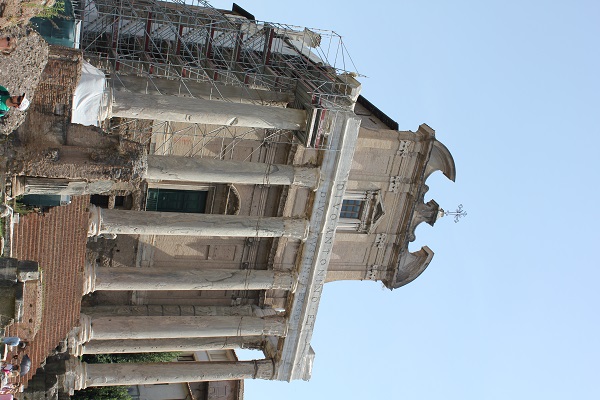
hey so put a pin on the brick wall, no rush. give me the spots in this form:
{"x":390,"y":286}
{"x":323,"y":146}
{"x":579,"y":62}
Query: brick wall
{"x":54,"y":94}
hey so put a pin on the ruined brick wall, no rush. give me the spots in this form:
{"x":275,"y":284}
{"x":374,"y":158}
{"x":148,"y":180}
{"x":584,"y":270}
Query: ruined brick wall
{"x":50,"y":109}
{"x":21,"y":71}
{"x":54,"y":94}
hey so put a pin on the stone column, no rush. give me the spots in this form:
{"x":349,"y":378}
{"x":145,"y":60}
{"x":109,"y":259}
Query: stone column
{"x":193,"y":110}
{"x":193,"y":169}
{"x":32,"y":185}
{"x":170,"y":310}
{"x":131,"y":278}
{"x":110,"y":221}
{"x":80,"y":375}
{"x":168,"y":345}
{"x":203,"y":90}
{"x":176,"y":310}
{"x":79,"y":346}
{"x":166,"y":327}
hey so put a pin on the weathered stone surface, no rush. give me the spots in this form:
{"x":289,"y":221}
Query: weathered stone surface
{"x":193,"y":169}
{"x":207,"y":91}
{"x":185,"y":109}
{"x":81,"y":375}
{"x":107,"y":221}
{"x":165,"y":327}
{"x":118,"y":160}
{"x":171,"y":310}
{"x":187,"y":279}
{"x":168,"y":345}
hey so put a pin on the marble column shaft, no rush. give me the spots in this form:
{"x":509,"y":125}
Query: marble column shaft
{"x":169,"y":345}
{"x":111,"y":221}
{"x":169,"y":310}
{"x":166,"y":327}
{"x":131,"y":278}
{"x":194,"y":110}
{"x":81,"y":375}
{"x":194,"y":169}
{"x":204,"y":90}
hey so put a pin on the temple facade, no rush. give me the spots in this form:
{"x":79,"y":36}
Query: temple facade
{"x":233,"y":170}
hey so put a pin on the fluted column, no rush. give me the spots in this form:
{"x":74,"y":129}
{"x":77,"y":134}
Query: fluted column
{"x":131,"y":278}
{"x":80,"y":375}
{"x":111,"y":221}
{"x":194,"y":110}
{"x":193,"y":169}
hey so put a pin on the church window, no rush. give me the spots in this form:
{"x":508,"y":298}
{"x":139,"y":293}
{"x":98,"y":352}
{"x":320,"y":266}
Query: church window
{"x":351,"y":209}
{"x":361,"y":211}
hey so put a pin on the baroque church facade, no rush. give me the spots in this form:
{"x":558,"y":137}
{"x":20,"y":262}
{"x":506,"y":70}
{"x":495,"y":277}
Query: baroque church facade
{"x":232,"y":170}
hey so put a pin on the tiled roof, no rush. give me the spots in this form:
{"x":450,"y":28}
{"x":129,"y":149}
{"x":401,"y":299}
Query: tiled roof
{"x":57,"y":240}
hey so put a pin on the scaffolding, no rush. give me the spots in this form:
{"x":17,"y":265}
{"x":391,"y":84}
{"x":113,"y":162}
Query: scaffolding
{"x":193,"y":41}
{"x":190,"y":41}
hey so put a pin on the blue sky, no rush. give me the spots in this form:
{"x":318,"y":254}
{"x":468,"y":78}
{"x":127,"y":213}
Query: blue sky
{"x":508,"y":308}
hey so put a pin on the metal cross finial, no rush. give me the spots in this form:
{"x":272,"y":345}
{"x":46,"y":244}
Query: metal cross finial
{"x":458,"y":213}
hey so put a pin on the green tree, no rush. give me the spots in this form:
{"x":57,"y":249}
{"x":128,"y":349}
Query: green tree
{"x":102,"y":393}
{"x":117,"y":392}
{"x":129,"y":358}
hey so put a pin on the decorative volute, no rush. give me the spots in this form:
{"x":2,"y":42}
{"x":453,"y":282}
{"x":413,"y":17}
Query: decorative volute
{"x":424,"y":212}
{"x":410,"y":266}
{"x":440,"y":159}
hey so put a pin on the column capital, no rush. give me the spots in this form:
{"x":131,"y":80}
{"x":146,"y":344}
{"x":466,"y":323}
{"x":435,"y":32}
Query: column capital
{"x":306,"y":177}
{"x":264,"y":369}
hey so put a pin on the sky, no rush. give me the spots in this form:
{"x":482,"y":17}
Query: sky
{"x":508,"y":308}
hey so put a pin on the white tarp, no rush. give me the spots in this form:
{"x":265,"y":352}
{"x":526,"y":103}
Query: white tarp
{"x":87,"y":99}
